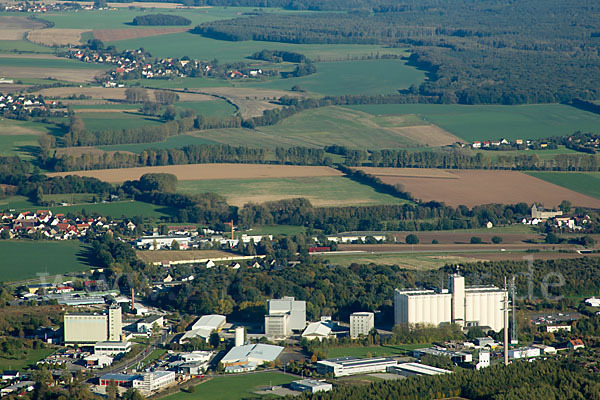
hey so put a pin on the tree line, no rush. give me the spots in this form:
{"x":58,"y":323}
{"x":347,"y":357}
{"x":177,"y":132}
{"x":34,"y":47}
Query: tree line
{"x":160,"y":20}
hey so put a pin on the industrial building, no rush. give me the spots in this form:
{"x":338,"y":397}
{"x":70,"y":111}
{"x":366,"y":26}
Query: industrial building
{"x":248,"y":357}
{"x":162,"y":242}
{"x":123,"y":380}
{"x":524,"y":352}
{"x":284,"y":316}
{"x":205,"y":325}
{"x":416,"y":369}
{"x":147,"y":324}
{"x":98,"y":361}
{"x":346,"y":366}
{"x":361,"y":323}
{"x":311,"y":385}
{"x":455,"y":356}
{"x":111,"y":348}
{"x":318,"y":331}
{"x":465,"y":306}
{"x":152,"y":381}
{"x":91,"y":328}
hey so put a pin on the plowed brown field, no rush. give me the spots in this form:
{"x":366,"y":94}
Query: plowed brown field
{"x":476,"y":187}
{"x":208,"y":172}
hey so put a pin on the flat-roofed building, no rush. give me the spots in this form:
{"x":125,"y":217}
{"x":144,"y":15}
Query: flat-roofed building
{"x":123,"y":380}
{"x":111,"y":348}
{"x":346,"y":366}
{"x":311,"y":385}
{"x":455,"y":356}
{"x":416,"y":369}
{"x":152,"y":381}
{"x":284,"y":316}
{"x":86,"y":328}
{"x":248,"y":357}
{"x":361,"y":323}
{"x":203,"y":328}
{"x":147,"y":324}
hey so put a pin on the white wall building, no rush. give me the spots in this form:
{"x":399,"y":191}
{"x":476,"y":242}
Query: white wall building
{"x":161,"y":242}
{"x":284,"y":316}
{"x":111,"y":348}
{"x":416,"y":369}
{"x":484,"y":360}
{"x":147,"y":324}
{"x":311,"y":385}
{"x":346,"y":366}
{"x":465,"y":306}
{"x":205,"y":325}
{"x":361,"y":323}
{"x":153,"y":381}
{"x":249,"y":356}
{"x":524,"y":352}
{"x":91,"y":328}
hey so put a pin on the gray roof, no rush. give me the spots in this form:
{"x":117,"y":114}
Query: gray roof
{"x":265,"y":352}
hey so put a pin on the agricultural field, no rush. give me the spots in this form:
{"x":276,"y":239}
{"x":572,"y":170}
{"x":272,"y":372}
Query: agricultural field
{"x":46,"y":66}
{"x":21,"y":137}
{"x":22,"y":364}
{"x":114,"y":209}
{"x":417,"y":262}
{"x":489,"y":122}
{"x":326,"y":191}
{"x":234,"y":387}
{"x":24,"y":259}
{"x":475,"y":187}
{"x":336,"y":125}
{"x":14,"y":27}
{"x":170,"y":143}
{"x":352,"y":77}
{"x":214,"y":108}
{"x":587,"y":183}
{"x":111,"y":119}
{"x":203,"y":48}
{"x":209,"y":172}
{"x":22,"y":46}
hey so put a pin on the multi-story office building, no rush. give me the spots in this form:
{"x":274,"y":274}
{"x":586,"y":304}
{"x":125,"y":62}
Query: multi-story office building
{"x":361,"y":323}
{"x":284,"y":316}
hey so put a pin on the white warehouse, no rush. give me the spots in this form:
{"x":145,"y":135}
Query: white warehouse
{"x":465,"y":306}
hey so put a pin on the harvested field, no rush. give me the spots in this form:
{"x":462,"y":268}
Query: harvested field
{"x":525,"y":256}
{"x":476,"y":187}
{"x":410,"y":172}
{"x":251,"y":102}
{"x":15,"y":27}
{"x":179,"y":255}
{"x":108,"y":35}
{"x":62,"y":74}
{"x":451,"y":248}
{"x":59,"y":37}
{"x":116,"y":94}
{"x":209,"y":172}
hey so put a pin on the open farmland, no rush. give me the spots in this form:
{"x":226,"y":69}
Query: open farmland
{"x":335,"y":126}
{"x":21,"y":137}
{"x":111,"y":94}
{"x":45,"y":66}
{"x":321,"y":191}
{"x":58,"y":37}
{"x":475,"y":187}
{"x":489,"y":122}
{"x":22,"y":46}
{"x":109,"y":35}
{"x":587,"y":183}
{"x":208,"y":172}
{"x":171,"y":142}
{"x":116,"y":119}
{"x":23,"y":259}
{"x":15,"y":27}
{"x":203,"y":48}
{"x":352,"y":77}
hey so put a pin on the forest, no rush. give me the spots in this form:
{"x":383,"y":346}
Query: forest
{"x":160,"y":20}
{"x":490,"y":52}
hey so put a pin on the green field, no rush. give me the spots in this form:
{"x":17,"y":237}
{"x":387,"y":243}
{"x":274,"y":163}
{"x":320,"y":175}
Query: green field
{"x":111,"y":106}
{"x":587,"y":183}
{"x":23,"y":259}
{"x":121,"y":17}
{"x":48,"y":63}
{"x":234,"y":387}
{"x":171,"y":143}
{"x":21,"y":137}
{"x":494,"y":122}
{"x":202,"y":48}
{"x":33,"y":356}
{"x":287,"y":230}
{"x":115,"y":209}
{"x":100,"y":121}
{"x":321,"y":191}
{"x":374,"y":351}
{"x":216,"y":108}
{"x":16,"y":46}
{"x":352,"y":77}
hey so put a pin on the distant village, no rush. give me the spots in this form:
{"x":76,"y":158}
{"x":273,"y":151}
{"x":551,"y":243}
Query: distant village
{"x":15,"y":105}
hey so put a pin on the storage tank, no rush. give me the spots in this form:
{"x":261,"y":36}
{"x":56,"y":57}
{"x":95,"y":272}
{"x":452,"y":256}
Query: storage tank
{"x":239,"y":336}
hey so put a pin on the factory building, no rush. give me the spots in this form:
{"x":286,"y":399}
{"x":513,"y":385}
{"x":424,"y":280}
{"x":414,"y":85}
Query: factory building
{"x":284,"y":316}
{"x":416,"y":369}
{"x":203,"y":328}
{"x":152,"y":381}
{"x":311,"y":385}
{"x":361,"y":323}
{"x":91,"y":328}
{"x":346,"y":366}
{"x":111,"y":348}
{"x":465,"y":306}
{"x":249,"y":356}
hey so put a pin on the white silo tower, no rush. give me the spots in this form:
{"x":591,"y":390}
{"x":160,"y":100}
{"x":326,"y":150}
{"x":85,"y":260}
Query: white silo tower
{"x":239,"y":336}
